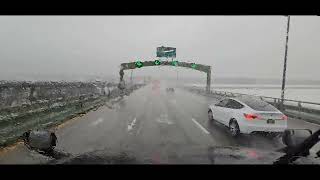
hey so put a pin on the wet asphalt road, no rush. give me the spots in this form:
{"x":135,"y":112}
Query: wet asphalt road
{"x":150,"y":121}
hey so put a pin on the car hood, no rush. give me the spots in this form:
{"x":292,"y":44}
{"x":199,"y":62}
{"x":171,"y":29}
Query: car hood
{"x":189,"y":155}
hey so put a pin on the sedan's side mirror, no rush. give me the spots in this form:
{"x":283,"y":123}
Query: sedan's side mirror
{"x":294,"y":137}
{"x":40,"y":140}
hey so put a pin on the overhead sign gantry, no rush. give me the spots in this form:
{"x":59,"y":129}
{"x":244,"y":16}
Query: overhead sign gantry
{"x":166,"y":52}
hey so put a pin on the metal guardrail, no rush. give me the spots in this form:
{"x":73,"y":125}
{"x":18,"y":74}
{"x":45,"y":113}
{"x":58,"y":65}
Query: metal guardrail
{"x":308,"y":111}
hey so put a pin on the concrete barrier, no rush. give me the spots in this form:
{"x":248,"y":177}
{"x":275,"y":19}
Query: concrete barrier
{"x":28,"y":105}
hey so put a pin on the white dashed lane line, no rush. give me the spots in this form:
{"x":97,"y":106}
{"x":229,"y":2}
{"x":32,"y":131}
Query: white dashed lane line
{"x":201,"y":127}
{"x":130,"y":126}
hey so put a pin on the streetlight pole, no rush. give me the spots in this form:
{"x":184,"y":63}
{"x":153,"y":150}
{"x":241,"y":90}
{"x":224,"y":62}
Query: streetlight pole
{"x":177,"y":74}
{"x":285,"y":66}
{"x":131,"y":78}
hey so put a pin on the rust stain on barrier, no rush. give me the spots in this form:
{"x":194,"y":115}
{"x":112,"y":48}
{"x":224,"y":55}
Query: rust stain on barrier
{"x":67,"y":122}
{"x":10,"y":148}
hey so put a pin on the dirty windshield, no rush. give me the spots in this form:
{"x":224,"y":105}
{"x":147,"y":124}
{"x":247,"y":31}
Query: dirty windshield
{"x":146,"y":89}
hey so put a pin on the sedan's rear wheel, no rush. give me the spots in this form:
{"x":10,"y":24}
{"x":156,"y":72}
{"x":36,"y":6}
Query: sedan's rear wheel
{"x":234,"y":128}
{"x":210,"y":115}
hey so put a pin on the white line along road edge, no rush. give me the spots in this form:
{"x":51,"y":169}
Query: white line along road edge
{"x":201,"y":127}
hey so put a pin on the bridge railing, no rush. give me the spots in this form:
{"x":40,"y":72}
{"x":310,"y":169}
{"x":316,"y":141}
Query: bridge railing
{"x":308,"y":111}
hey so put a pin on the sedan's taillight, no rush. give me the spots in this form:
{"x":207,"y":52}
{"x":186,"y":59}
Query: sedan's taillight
{"x":284,"y":117}
{"x":251,"y":116}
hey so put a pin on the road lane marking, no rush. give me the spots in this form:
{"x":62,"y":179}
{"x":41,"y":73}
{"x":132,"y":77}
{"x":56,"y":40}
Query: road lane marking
{"x":201,"y":127}
{"x":164,"y":119}
{"x":173,"y":101}
{"x":130,"y":126}
{"x":109,"y":105}
{"x":95,"y":123}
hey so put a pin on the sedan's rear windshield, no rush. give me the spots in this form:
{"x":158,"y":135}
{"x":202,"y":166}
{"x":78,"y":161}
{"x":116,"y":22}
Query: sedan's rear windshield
{"x":258,"y":105}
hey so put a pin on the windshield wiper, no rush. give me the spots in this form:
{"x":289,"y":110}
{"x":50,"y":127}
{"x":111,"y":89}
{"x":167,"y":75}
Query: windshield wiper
{"x":302,"y":149}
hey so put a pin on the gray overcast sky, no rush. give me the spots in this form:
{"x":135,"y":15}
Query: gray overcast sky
{"x":235,"y":46}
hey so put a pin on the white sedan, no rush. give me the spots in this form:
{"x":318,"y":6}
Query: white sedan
{"x":247,"y":115}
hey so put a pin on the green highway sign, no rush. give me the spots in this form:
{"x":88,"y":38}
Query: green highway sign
{"x":193,"y":65}
{"x":138,"y":64}
{"x":168,"y":52}
{"x":175,"y":63}
{"x":157,"y":62}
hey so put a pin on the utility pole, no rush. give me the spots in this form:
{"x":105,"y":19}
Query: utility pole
{"x":177,"y":76}
{"x":285,"y":66}
{"x":208,"y":88}
{"x":131,"y":79}
{"x":176,"y":72}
